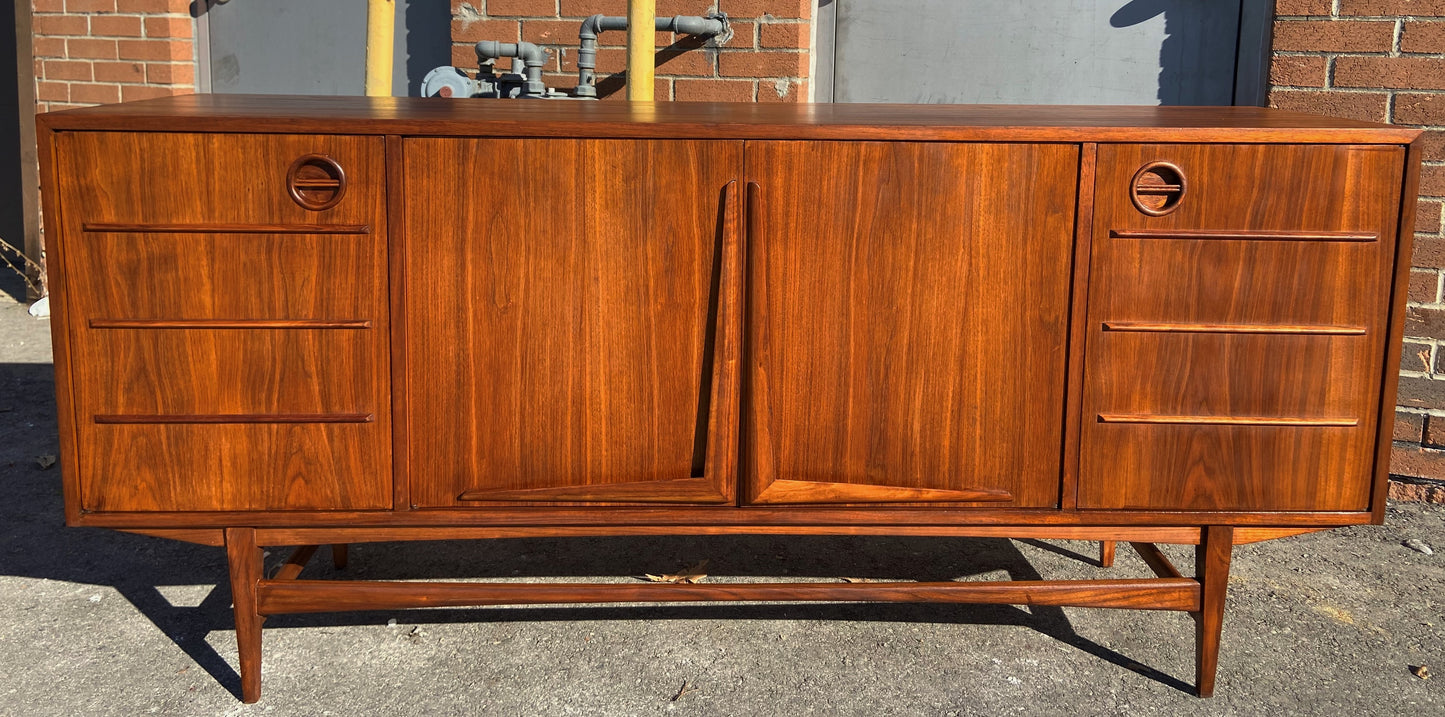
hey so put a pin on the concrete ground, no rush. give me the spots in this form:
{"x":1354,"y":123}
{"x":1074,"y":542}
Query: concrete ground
{"x":100,"y":622}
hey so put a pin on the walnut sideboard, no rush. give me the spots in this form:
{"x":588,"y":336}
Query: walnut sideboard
{"x":305,"y":321}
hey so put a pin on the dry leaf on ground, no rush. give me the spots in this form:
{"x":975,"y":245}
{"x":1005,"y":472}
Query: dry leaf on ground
{"x":693,"y":574}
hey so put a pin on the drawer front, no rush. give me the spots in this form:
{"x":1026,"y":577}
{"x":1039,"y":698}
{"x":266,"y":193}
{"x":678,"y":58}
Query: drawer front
{"x":292,"y":372}
{"x":258,"y":466}
{"x":1237,"y":325}
{"x":229,"y":342}
{"x":194,"y":276}
{"x":218,"y":179}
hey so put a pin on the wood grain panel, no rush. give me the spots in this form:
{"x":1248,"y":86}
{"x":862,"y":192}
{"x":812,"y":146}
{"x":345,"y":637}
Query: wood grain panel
{"x":566,"y":337}
{"x":231,"y":276}
{"x":179,"y":371}
{"x":1236,"y":344}
{"x":215,"y":179}
{"x":909,"y":317}
{"x":725,"y":120}
{"x":1247,"y":191}
{"x":230,"y":348}
{"x":236,"y":467}
{"x":303,"y":596}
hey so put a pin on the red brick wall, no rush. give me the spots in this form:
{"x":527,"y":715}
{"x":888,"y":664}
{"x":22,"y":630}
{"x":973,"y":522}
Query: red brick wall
{"x":767,"y":59}
{"x":1384,"y":61}
{"x":98,"y":51}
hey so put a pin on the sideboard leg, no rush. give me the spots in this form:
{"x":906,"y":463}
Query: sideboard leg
{"x":244,"y":557}
{"x":338,"y":555}
{"x":1106,"y":553}
{"x":1211,"y":568}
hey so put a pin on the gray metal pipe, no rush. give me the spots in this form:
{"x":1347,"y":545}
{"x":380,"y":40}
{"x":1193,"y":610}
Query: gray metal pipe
{"x":712,"y":25}
{"x":533,"y":58}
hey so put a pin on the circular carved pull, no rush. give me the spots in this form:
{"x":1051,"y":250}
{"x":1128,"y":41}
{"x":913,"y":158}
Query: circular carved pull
{"x":316,"y":182}
{"x":1158,"y":188}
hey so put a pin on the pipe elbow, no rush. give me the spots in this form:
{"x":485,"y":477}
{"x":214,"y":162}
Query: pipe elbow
{"x":490,"y":50}
{"x":693,"y":25}
{"x":532,"y":54}
{"x":590,"y":27}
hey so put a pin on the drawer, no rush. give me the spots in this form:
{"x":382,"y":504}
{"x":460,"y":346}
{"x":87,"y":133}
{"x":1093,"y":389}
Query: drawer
{"x":232,"y":419}
{"x":1229,"y":421}
{"x":224,"y":371}
{"x":253,"y":277}
{"x":164,"y":178}
{"x":1237,"y":320}
{"x":260,"y":466}
{"x":1261,"y":234}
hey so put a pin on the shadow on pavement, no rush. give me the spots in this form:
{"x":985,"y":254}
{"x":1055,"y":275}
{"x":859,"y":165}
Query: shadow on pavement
{"x":38,"y":545}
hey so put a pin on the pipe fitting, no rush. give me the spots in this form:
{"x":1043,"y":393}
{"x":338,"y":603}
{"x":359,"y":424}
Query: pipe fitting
{"x":533,"y":58}
{"x":714,"y":25}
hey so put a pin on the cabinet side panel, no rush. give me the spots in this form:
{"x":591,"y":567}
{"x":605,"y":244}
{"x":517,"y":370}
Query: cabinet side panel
{"x":53,"y":196}
{"x":908,"y":309}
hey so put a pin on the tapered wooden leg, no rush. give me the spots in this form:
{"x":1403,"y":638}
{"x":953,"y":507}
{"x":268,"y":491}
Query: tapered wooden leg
{"x":244,"y":557}
{"x":338,"y":555}
{"x":1211,"y":567}
{"x":1106,"y":553}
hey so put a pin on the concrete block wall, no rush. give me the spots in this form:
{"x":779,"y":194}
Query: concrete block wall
{"x":1384,"y":61}
{"x":768,"y":58}
{"x":90,"y":52}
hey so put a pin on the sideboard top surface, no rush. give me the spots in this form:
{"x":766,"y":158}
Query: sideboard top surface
{"x":550,"y":118}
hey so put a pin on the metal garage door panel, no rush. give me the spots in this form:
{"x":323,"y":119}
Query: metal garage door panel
{"x":1173,"y":52}
{"x":317,"y":47}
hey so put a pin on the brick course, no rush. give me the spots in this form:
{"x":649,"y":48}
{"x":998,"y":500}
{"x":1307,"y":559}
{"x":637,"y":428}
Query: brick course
{"x":98,"y":51}
{"x":767,"y":59}
{"x":1384,"y":60}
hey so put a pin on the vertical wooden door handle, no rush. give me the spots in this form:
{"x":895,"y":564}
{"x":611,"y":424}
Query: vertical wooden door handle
{"x":754,"y":210}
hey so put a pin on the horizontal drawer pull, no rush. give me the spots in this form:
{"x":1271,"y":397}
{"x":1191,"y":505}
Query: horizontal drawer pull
{"x":317,"y":183}
{"x":1159,"y":189}
{"x":1242,"y":235}
{"x":1300,"y":330}
{"x":206,"y":228}
{"x":238,"y":418}
{"x":1227,"y":420}
{"x":229,"y":324}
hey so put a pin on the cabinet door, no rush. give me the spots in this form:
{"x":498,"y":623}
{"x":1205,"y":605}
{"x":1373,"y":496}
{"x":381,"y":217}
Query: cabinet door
{"x":907,"y":321}
{"x":567,"y":320}
{"x":1237,"y":319}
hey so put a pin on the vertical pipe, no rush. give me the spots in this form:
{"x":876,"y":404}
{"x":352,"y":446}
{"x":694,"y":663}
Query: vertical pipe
{"x":380,"y":34}
{"x":641,"y":43}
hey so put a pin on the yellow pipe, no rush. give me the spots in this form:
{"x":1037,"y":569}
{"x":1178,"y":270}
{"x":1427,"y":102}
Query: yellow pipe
{"x":641,"y":44}
{"x":380,"y":35}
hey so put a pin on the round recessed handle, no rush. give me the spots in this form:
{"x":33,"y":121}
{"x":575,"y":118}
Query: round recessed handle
{"x":1158,"y":188}
{"x":316,"y":182}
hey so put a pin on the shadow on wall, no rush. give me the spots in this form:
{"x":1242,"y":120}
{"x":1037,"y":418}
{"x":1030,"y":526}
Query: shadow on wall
{"x":1183,"y":26}
{"x":426,"y":41}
